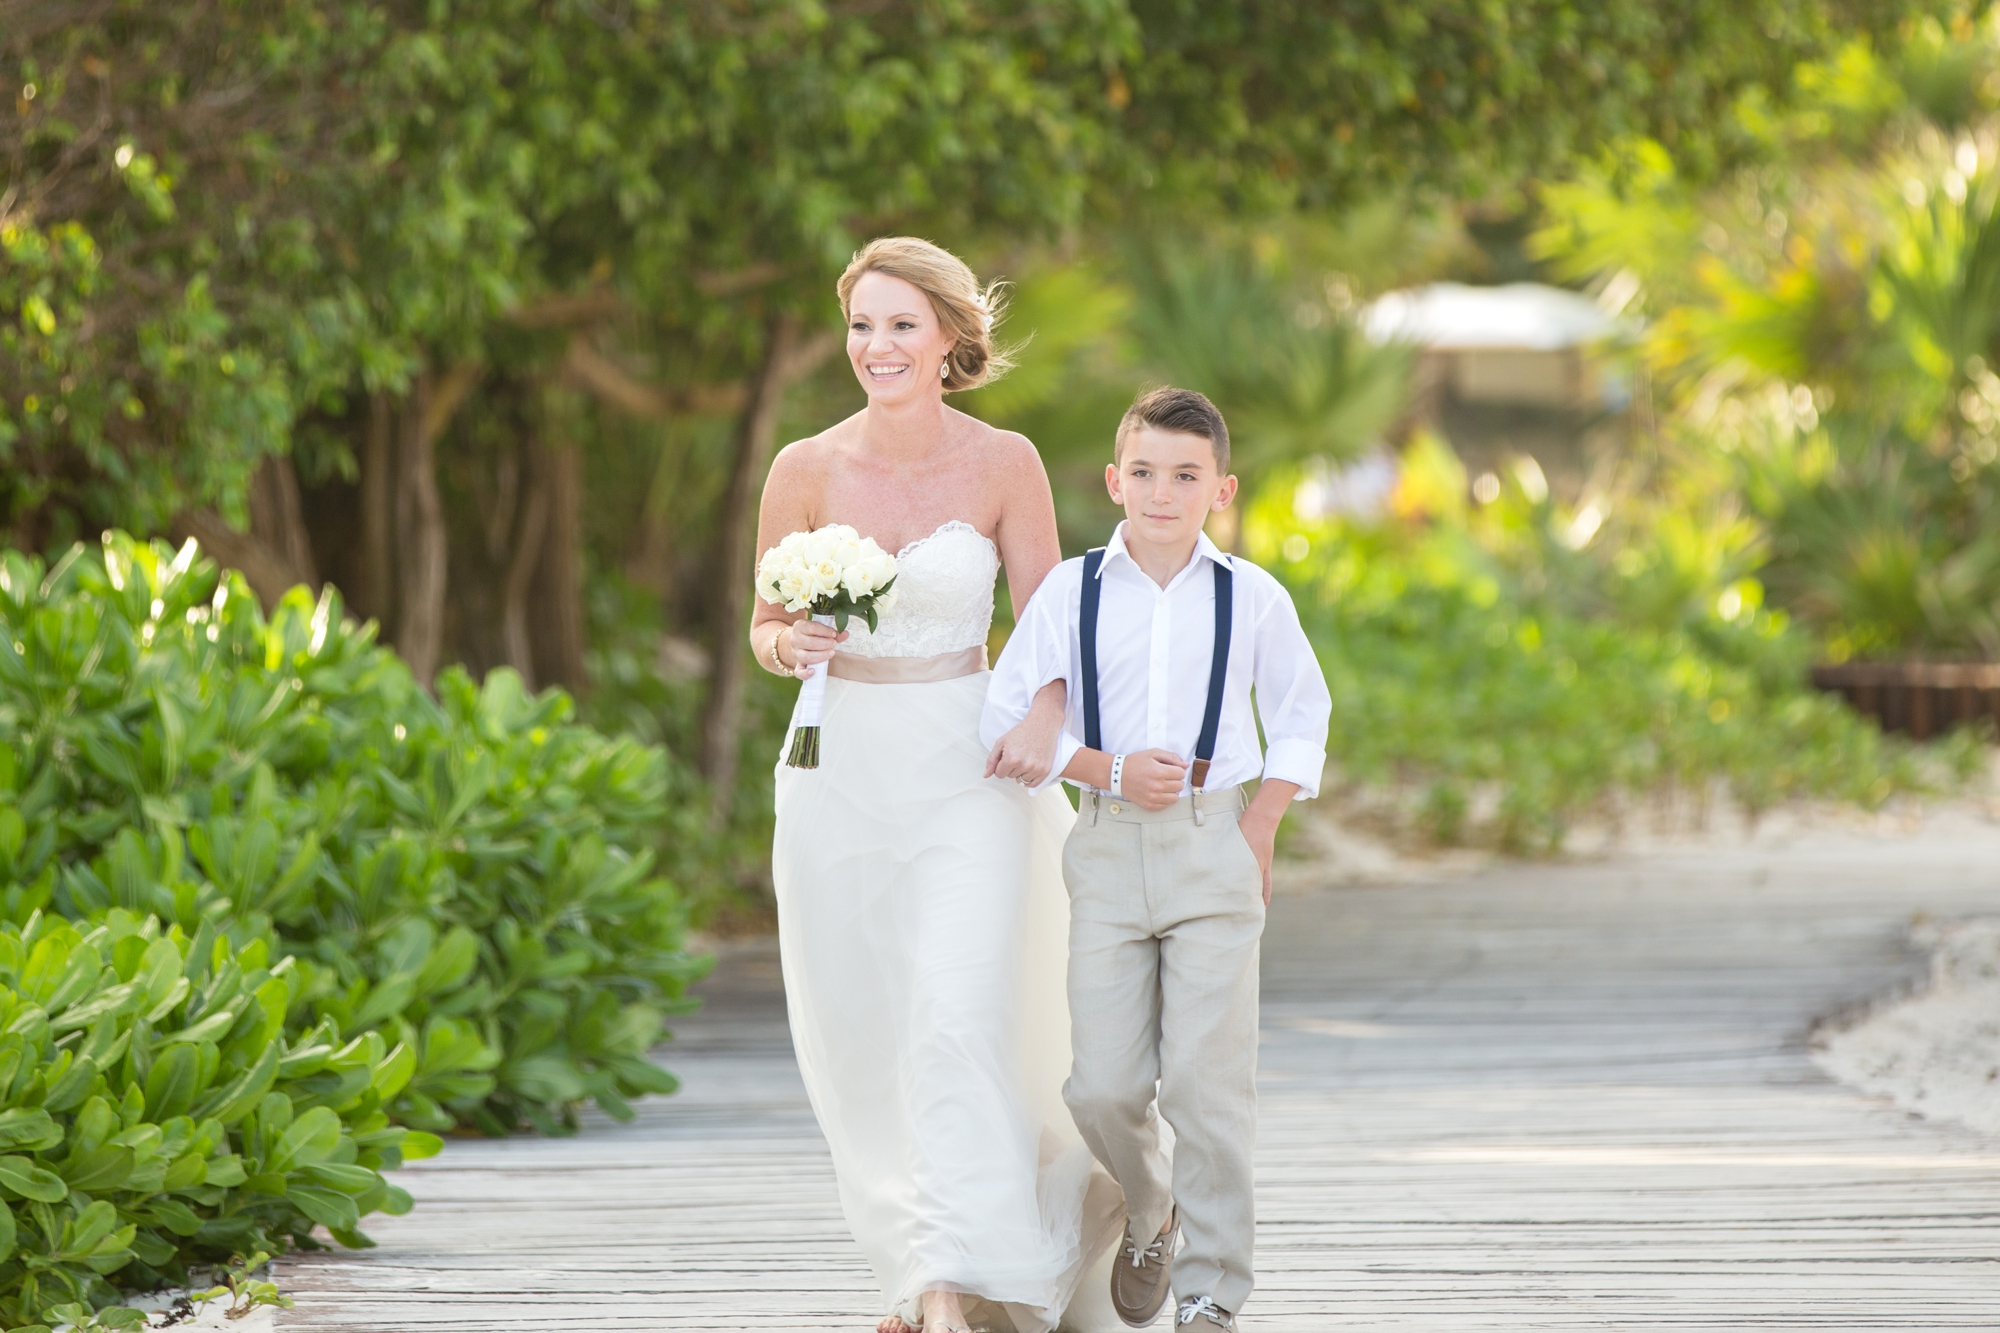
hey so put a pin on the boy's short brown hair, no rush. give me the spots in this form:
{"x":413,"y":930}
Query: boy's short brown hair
{"x":1182,"y":411}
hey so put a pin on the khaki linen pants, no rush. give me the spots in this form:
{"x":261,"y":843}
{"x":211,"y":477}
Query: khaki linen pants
{"x":1165,"y":918}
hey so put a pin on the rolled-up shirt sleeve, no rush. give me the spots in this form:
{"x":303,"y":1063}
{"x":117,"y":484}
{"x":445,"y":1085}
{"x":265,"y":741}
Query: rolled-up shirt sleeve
{"x":1037,"y":652}
{"x":1292,"y":698}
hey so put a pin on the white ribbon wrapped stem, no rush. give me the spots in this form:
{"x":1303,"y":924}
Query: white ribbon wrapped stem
{"x":812,"y":697}
{"x":804,"y":752}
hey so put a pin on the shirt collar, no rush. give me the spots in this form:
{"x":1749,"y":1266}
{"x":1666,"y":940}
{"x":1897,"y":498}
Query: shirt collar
{"x":1203,"y":547}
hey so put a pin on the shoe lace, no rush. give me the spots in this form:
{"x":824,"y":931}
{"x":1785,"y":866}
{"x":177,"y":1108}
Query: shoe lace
{"x":1202,"y":1305}
{"x":1144,"y":1254}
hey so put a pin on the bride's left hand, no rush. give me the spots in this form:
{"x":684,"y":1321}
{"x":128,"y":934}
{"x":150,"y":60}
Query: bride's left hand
{"x":1025,"y":753}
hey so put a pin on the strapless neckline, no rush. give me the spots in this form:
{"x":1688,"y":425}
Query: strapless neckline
{"x":944,"y":596}
{"x":949,"y":525}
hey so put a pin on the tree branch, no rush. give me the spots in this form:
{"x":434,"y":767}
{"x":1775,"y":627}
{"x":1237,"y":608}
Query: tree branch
{"x":448,"y":395}
{"x":588,"y":368}
{"x":552,"y":312}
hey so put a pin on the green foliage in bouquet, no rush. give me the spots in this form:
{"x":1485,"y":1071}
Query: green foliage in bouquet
{"x":465,"y":875}
{"x":157,"y":1112}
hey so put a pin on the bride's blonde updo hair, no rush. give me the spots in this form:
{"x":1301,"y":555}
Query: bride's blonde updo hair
{"x":967,"y":311}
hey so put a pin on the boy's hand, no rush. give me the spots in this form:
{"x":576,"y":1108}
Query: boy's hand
{"x":1259,"y":823}
{"x":1153,"y":778}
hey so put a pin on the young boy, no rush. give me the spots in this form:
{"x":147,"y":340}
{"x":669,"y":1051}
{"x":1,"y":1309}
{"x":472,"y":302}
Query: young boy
{"x":1161,"y":638}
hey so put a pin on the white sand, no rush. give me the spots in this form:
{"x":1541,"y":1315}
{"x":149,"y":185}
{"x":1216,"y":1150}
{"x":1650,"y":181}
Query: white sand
{"x":1338,"y":842}
{"x":1936,"y":1052}
{"x":159,"y":1308}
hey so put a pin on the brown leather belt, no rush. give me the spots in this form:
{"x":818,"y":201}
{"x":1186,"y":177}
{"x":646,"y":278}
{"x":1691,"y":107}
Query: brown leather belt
{"x":908,"y":670}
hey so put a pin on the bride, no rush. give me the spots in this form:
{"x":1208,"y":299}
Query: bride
{"x":921,"y":913}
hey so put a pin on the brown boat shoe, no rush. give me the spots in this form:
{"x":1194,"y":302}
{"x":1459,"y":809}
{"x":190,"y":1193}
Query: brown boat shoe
{"x":1201,"y":1307}
{"x":1139,"y":1276}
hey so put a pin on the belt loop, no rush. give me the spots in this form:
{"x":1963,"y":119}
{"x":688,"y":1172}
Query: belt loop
{"x":1094,"y":794}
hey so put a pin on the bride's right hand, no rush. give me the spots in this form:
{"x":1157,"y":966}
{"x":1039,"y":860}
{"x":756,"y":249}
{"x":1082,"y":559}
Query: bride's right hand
{"x":808,"y":643}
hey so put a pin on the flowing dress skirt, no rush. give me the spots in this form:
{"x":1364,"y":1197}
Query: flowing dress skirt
{"x":923,"y":927}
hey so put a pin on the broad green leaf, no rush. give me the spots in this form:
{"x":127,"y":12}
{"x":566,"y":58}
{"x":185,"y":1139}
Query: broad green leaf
{"x":101,"y":1171}
{"x":173,"y":1081}
{"x":311,"y":1139}
{"x":23,"y":1179}
{"x":329,"y":1208}
{"x":31,"y":1128}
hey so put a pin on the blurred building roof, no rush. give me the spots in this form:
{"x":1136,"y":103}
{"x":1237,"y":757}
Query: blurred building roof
{"x":1523,"y":316}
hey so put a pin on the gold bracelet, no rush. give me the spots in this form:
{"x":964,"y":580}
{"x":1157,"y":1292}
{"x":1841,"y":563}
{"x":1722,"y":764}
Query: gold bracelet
{"x":777,"y":661}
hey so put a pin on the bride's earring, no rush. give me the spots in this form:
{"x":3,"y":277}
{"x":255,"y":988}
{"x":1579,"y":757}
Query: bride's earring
{"x":944,"y":369}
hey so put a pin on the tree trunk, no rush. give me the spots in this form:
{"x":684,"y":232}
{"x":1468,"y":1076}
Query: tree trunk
{"x":278,"y":520}
{"x":558,"y":620}
{"x":375,"y":595}
{"x":422,"y":546}
{"x":756,"y":431}
{"x":275,"y":556}
{"x":421,"y":549}
{"x":269,"y":575}
{"x":517,"y":646}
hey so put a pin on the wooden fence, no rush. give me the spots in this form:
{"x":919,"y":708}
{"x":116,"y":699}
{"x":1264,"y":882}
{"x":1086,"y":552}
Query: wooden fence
{"x":1921,"y":699}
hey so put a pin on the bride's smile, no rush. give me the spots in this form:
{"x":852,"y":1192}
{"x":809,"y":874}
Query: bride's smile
{"x":895,"y":341}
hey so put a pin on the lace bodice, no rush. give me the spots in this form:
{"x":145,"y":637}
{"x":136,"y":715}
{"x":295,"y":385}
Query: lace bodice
{"x":944,"y":597}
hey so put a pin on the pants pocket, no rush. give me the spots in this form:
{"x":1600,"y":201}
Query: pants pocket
{"x":1236,"y":864}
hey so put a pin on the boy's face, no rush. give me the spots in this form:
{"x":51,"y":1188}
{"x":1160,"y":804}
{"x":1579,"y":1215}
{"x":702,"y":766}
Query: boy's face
{"x":1169,"y":485}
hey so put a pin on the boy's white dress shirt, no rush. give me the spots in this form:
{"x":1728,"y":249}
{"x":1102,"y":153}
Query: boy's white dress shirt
{"x":1154,"y":647}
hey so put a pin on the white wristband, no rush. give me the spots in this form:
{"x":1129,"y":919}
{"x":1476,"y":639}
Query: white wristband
{"x":1117,"y":775}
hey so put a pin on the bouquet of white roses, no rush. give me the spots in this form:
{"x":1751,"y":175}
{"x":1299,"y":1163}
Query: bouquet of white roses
{"x":830,"y":571}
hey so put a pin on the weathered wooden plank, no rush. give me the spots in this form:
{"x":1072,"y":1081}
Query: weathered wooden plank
{"x":1563,"y":1098}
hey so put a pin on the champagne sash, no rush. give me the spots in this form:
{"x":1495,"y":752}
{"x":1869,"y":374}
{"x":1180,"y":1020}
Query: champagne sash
{"x":909,"y":670}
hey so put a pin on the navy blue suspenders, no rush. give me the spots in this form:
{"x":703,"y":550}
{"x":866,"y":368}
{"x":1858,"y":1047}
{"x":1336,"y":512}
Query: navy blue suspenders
{"x":1218,"y":672}
{"x":1218,"y":667}
{"x":1086,"y":642}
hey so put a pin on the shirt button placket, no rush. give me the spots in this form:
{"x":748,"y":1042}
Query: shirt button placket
{"x":1157,"y":704}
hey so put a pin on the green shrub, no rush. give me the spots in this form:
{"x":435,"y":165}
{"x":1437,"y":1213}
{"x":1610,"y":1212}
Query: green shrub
{"x":1435,"y":685}
{"x":467,"y":875}
{"x":1480,"y":654}
{"x":156,"y":1112}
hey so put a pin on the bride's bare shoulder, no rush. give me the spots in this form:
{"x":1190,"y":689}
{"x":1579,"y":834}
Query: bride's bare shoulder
{"x":805,"y":463}
{"x":1005,"y":454}
{"x":1012,"y":467}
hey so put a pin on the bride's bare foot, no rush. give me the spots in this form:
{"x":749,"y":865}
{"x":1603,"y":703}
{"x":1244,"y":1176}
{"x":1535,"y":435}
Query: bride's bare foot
{"x":943,"y":1313}
{"x":894,"y":1324}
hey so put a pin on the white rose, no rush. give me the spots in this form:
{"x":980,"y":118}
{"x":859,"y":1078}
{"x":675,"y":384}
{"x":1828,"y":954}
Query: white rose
{"x":823,"y":543}
{"x":824,"y":579}
{"x":885,"y":602}
{"x":855,"y":578}
{"x":795,"y":588}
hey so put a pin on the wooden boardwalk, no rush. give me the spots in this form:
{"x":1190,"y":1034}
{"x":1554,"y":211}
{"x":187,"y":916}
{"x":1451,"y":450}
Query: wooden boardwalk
{"x":1574,"y":1097}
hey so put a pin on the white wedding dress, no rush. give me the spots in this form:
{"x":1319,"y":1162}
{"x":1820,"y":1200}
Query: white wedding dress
{"x":923,"y":926}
